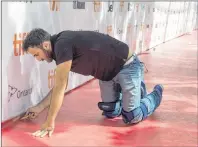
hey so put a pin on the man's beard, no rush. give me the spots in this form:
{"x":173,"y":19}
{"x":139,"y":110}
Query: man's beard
{"x":48,"y":54}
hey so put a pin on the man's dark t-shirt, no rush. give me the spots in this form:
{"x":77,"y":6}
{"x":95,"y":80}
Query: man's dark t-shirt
{"x":92,"y":53}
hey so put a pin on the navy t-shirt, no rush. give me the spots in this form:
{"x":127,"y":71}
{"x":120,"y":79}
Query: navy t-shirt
{"x":92,"y":53}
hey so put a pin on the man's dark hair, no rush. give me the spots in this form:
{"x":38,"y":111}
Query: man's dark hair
{"x":35,"y":38}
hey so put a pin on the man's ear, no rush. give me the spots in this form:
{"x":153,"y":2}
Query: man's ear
{"x":46,"y":45}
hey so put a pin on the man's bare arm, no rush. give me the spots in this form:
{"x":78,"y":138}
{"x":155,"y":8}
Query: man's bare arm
{"x":61,"y":81}
{"x":46,"y":101}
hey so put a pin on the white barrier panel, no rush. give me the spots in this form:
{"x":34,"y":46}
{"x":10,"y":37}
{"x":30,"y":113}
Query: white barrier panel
{"x":140,"y":25}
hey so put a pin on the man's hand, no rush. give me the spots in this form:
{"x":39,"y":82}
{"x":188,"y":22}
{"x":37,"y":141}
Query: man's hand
{"x":32,"y":112}
{"x":46,"y":129}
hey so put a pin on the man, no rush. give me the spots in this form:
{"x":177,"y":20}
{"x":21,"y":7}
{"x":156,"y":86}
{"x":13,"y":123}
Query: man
{"x":119,"y":71}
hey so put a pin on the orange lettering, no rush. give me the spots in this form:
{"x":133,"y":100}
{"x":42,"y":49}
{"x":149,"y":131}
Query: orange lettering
{"x":121,"y":5}
{"x":97,"y":6}
{"x":17,"y":43}
{"x":54,"y":5}
{"x":109,"y":29}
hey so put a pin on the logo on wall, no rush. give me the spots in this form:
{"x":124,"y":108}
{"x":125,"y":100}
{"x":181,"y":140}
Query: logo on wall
{"x":97,"y":6}
{"x":119,"y":31}
{"x":78,"y":5}
{"x":12,"y":91}
{"x":51,"y":78}
{"x":17,"y":43}
{"x":110,"y":6}
{"x":109,"y":29}
{"x":54,"y":5}
{"x":121,"y":5}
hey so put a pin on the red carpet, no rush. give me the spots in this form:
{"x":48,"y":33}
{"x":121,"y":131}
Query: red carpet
{"x":80,"y":123}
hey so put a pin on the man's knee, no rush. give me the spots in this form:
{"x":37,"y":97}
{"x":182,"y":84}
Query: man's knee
{"x":136,"y":115}
{"x":111,"y":109}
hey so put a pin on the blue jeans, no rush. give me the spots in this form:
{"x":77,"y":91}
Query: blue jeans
{"x":125,"y":88}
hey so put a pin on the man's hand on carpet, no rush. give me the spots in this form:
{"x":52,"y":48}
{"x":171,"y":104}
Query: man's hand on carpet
{"x":46,"y":129}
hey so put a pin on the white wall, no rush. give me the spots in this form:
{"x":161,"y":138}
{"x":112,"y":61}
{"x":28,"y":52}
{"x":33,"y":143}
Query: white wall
{"x":141,"y":25}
